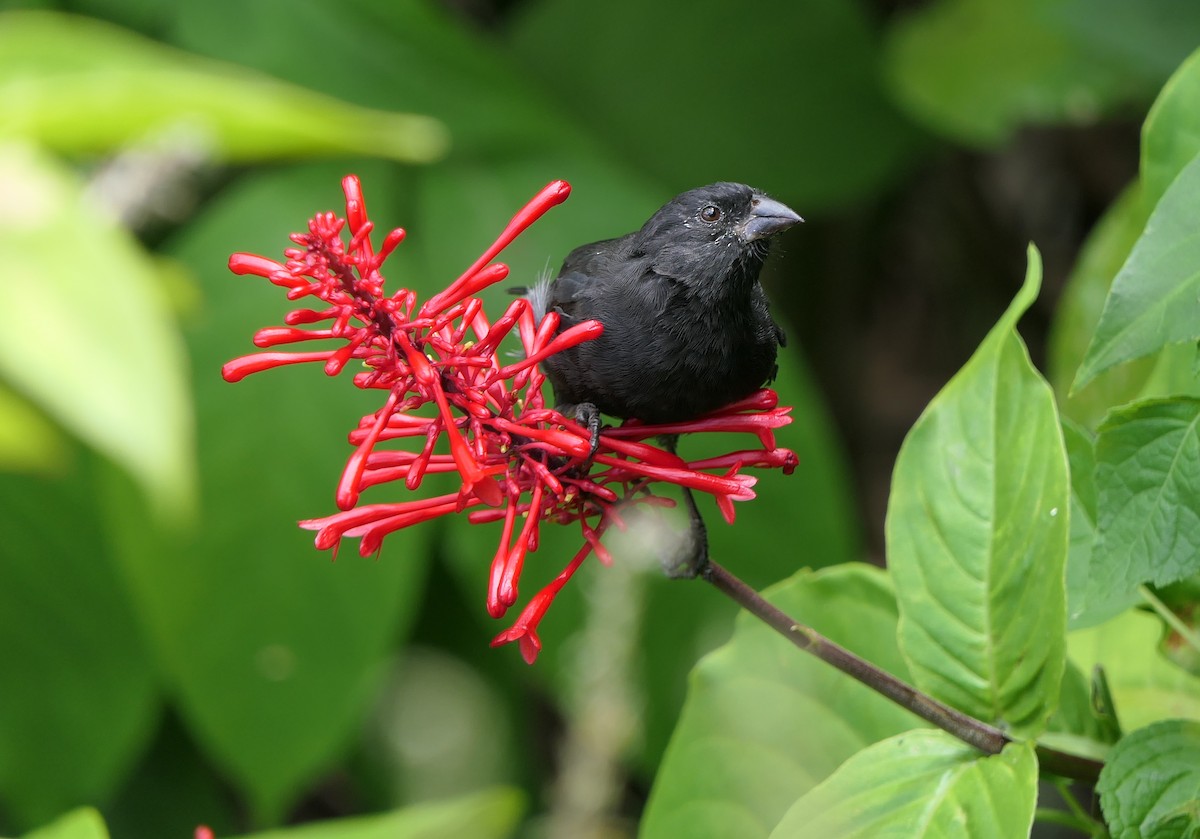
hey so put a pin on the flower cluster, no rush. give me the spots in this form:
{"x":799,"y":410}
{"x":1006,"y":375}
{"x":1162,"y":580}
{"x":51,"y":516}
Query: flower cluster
{"x":462,"y":410}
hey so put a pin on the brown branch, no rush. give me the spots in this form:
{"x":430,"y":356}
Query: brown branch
{"x":987,"y":738}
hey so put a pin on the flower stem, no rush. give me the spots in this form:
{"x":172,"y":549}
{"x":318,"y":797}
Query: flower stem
{"x":987,"y":738}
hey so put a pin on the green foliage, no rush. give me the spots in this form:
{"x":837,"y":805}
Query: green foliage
{"x":977,"y":533}
{"x":173,"y":650}
{"x":1150,"y":787}
{"x":763,"y":723}
{"x":84,"y":87}
{"x":884,"y":790}
{"x":78,"y":824}
{"x":1153,"y":300}
{"x":978,"y":70}
{"x":489,"y":814}
{"x":72,"y":653}
{"x":1171,"y":135}
{"x":126,"y":394}
{"x":828,"y":142}
{"x":1145,"y":688}
{"x":983,"y":571}
{"x":1079,"y":311}
{"x":1147,"y":465}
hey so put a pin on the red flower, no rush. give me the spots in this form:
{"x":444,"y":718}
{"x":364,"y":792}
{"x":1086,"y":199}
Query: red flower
{"x":440,"y":366}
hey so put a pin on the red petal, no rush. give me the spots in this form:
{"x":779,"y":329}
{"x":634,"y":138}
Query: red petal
{"x":240,"y":368}
{"x":248,"y":263}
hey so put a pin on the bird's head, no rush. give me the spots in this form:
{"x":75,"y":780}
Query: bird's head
{"x":712,"y":228}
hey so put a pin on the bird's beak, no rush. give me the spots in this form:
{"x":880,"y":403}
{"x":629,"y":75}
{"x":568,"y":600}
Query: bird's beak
{"x":767,"y":217}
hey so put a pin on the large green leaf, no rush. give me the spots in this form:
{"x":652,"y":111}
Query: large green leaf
{"x":78,"y":824}
{"x":1171,"y":134}
{"x":1145,"y":686}
{"x":920,"y":784}
{"x":1155,"y":299}
{"x":1170,"y":140}
{"x":114,"y":375}
{"x":80,"y":696}
{"x":977,"y":534}
{"x":1078,"y":312}
{"x":765,"y":722}
{"x":272,"y":649}
{"x":787,"y":100}
{"x":1150,"y":786}
{"x":490,"y":814}
{"x":977,"y":70}
{"x":1148,"y":502}
{"x":79,"y":85}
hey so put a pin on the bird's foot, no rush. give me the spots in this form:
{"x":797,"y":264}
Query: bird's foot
{"x":588,"y":415}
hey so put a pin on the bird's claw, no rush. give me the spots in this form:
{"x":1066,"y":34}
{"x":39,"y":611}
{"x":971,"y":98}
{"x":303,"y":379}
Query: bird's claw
{"x":588,"y":415}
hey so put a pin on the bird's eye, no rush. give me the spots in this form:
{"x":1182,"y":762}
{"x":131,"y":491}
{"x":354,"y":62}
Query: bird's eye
{"x":710,"y":214}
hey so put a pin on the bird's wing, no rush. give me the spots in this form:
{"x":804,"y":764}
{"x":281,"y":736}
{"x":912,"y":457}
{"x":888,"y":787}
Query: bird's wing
{"x":595,"y":259}
{"x":568,"y":293}
{"x":584,"y":275}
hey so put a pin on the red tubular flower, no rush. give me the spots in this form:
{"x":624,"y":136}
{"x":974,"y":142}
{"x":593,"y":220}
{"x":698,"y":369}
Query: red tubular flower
{"x":520,"y":461}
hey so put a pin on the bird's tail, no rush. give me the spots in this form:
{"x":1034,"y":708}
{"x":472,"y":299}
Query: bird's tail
{"x":537,"y":294}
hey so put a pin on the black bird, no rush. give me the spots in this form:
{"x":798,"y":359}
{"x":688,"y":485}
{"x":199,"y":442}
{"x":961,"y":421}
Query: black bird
{"x":686,"y":324}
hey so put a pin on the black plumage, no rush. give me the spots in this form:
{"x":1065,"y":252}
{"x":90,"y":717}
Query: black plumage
{"x":686,"y":324}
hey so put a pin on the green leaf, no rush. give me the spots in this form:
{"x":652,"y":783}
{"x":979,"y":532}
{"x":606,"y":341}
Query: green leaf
{"x":272,"y":649}
{"x":1171,"y":134}
{"x":115,"y":376}
{"x":1155,"y":299}
{"x":1170,"y":139}
{"x":977,"y":70}
{"x":1082,"y":459}
{"x":80,"y":696}
{"x":84,"y":823}
{"x":977,"y":535}
{"x":1148,"y":502}
{"x":764,"y":722}
{"x":920,"y":784}
{"x":82,"y":86}
{"x":1145,"y":687}
{"x":704,"y":104}
{"x":1150,"y":786}
{"x":28,"y":441}
{"x":490,"y":814}
{"x":1078,"y":312}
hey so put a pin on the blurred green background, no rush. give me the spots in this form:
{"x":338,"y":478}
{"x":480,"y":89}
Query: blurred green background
{"x":172,"y":648}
